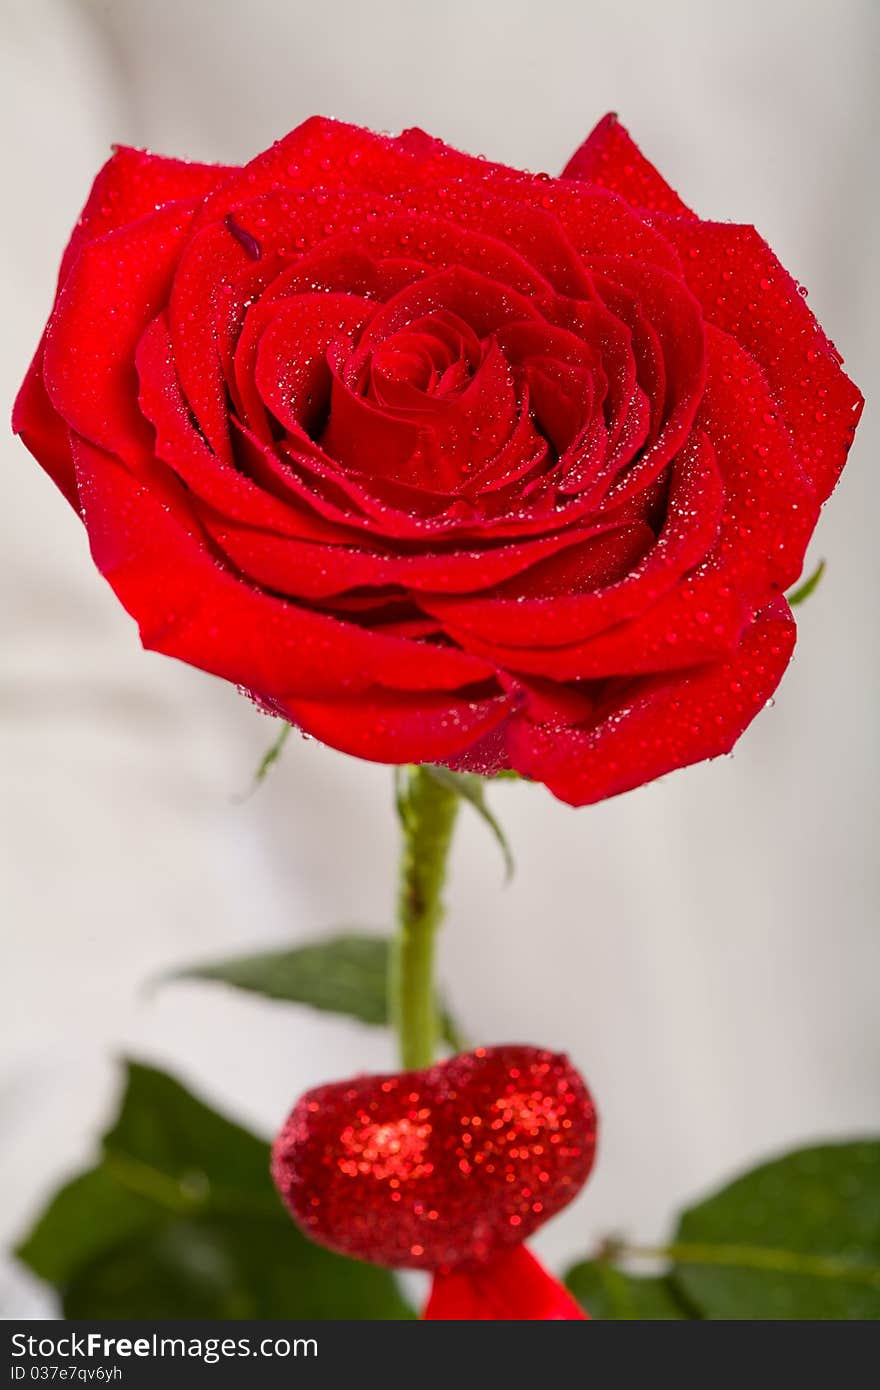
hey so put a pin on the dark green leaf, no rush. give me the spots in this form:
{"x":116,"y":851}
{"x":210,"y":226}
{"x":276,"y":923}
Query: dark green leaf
{"x":345,"y":974}
{"x":228,"y":1266}
{"x":804,"y":590}
{"x":472,"y":788}
{"x":84,"y":1219}
{"x":180,"y":1219}
{"x":174,"y":1149}
{"x":796,"y":1238}
{"x":609,"y":1294}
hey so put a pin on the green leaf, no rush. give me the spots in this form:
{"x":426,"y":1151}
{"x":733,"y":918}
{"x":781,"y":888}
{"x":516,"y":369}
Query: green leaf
{"x":83,"y":1220}
{"x":804,"y":590}
{"x":797,"y":1238}
{"x":226,"y":1266}
{"x":609,"y":1294}
{"x":346,"y":974}
{"x":272,"y":754}
{"x":472,"y":788}
{"x":180,"y":1219}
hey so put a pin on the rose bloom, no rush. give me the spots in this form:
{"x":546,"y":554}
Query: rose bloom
{"x":441,"y":461}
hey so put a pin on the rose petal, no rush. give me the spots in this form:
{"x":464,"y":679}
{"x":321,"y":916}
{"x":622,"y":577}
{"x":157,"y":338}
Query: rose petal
{"x":214,"y":279}
{"x":291,"y":370}
{"x":189,"y":606}
{"x":225,"y":488}
{"x":660,"y":725}
{"x":134,"y":183}
{"x":317,"y":570}
{"x":115,"y":287}
{"x":690,"y":530}
{"x":702,"y":619}
{"x":745,"y":291}
{"x":42,"y":429}
{"x":610,"y":158}
{"x":770,"y":506}
{"x":385,"y":726}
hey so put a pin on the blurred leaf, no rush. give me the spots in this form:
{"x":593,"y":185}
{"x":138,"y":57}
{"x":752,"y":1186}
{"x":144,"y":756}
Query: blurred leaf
{"x":472,"y":788}
{"x":343,"y":974}
{"x":180,"y":1219}
{"x":225,"y":1266}
{"x":795,"y":1238}
{"x":346,"y":974}
{"x":176,"y":1150}
{"x":804,"y":590}
{"x":85,"y":1218}
{"x":609,"y":1294}
{"x":272,"y":754}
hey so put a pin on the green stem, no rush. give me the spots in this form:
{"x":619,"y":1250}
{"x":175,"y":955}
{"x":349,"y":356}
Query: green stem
{"x":427,"y":816}
{"x":756,"y":1257}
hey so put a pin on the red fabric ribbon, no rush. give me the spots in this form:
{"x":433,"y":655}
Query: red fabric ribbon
{"x":512,"y":1287}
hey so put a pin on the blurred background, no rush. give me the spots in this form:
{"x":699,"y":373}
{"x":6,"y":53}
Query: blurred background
{"x":706,"y":948}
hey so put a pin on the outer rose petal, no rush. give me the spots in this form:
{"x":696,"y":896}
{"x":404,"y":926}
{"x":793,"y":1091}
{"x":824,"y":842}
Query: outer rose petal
{"x":115,"y":287}
{"x":744,"y":290}
{"x":383,"y":726}
{"x":187,"y":605}
{"x":702,"y":619}
{"x":43,"y":431}
{"x":610,"y":158}
{"x":134,"y":183}
{"x":770,"y":502}
{"x":514,"y":1287}
{"x":320,"y":152}
{"x":668,"y":723}
{"x":599,"y":223}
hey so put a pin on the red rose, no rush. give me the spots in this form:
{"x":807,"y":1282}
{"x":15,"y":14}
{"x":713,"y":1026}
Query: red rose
{"x":442,"y":461}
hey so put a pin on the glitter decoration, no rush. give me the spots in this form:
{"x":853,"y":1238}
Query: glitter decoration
{"x":440,"y":1169}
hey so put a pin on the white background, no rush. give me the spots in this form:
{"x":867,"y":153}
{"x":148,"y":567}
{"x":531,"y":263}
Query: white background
{"x":706,"y":948}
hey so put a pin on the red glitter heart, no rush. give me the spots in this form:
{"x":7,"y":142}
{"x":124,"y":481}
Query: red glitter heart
{"x":438,"y":1169}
